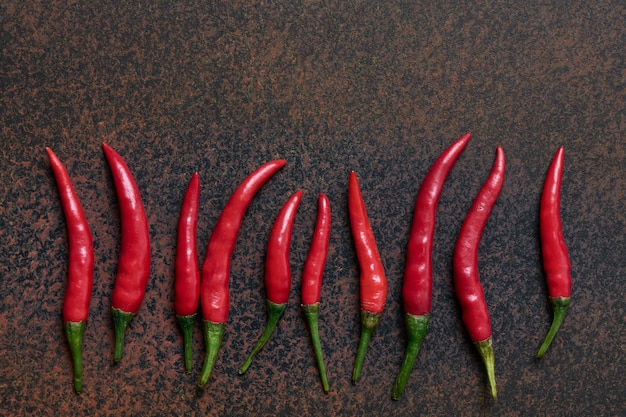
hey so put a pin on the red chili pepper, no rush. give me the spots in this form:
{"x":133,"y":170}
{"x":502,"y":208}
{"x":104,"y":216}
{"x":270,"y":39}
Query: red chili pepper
{"x":187,"y":282}
{"x":466,"y":283}
{"x":277,"y":272}
{"x":312,"y":280}
{"x":418,"y":279}
{"x":214,"y":296}
{"x":133,"y":267}
{"x":373,"y":284}
{"x":556,"y":261}
{"x":80,"y":267}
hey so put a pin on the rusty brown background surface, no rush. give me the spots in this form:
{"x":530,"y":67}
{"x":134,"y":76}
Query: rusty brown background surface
{"x":221,"y":87}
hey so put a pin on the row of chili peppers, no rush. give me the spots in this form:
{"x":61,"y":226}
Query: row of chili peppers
{"x":210,"y":287}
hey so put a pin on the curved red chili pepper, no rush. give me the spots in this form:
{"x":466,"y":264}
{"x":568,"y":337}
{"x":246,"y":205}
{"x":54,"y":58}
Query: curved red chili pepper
{"x":187,"y":281}
{"x":80,"y":267}
{"x":133,"y":267}
{"x":418,"y":279}
{"x":373,"y":284}
{"x":214,"y":296}
{"x":556,"y":261}
{"x":277,"y":272}
{"x":466,"y":282}
{"x":312,"y":280}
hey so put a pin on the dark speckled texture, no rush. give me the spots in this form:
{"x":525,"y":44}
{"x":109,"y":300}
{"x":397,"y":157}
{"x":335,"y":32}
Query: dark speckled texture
{"x":220,"y":87}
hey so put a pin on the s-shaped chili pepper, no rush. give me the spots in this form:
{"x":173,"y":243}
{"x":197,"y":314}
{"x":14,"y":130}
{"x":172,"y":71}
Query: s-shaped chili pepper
{"x":214,"y":296}
{"x":187,"y":281}
{"x":80,"y":267}
{"x":133,"y":268}
{"x":373,"y":284}
{"x":418,"y":279}
{"x":556,"y":261}
{"x":312,"y":280}
{"x":277,"y":272}
{"x":466,"y":283}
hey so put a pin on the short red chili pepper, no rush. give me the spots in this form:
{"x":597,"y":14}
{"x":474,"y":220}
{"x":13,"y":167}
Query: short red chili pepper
{"x":277,"y":273}
{"x":133,"y":267}
{"x":80,"y":267}
{"x":467,"y":286}
{"x":187,"y":281}
{"x":312,"y":280}
{"x":556,"y":261}
{"x":214,"y":296}
{"x":373,"y":284}
{"x":418,"y":280}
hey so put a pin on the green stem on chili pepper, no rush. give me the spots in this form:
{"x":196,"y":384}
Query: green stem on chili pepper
{"x":485,"y":349}
{"x":559,"y":307}
{"x":416,"y":329}
{"x":277,"y":272}
{"x":369,"y":322}
{"x":186,"y":324}
{"x":80,"y":267}
{"x":213,"y":333}
{"x":311,"y":314}
{"x":274,"y":313}
{"x":74,"y":333}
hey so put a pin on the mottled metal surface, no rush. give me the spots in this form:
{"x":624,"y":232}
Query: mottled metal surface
{"x":330,"y":86}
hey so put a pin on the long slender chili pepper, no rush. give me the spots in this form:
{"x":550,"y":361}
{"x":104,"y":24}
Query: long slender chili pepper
{"x":133,"y":267}
{"x":466,"y":282}
{"x":187,"y":281}
{"x":277,"y":273}
{"x":418,"y":280}
{"x":556,"y":261}
{"x":214,"y":296}
{"x":373,"y":284}
{"x":312,"y":280}
{"x":80,"y":267}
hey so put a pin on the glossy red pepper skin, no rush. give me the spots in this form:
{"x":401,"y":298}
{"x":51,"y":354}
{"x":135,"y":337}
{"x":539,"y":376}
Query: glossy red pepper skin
{"x":277,"y":272}
{"x":187,"y":281}
{"x":418,"y":280}
{"x":316,"y":258}
{"x":556,"y":262}
{"x":312,"y":280}
{"x":80,"y":267}
{"x":467,"y":285}
{"x":214,"y":295}
{"x":373,"y":283}
{"x":133,"y":268}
